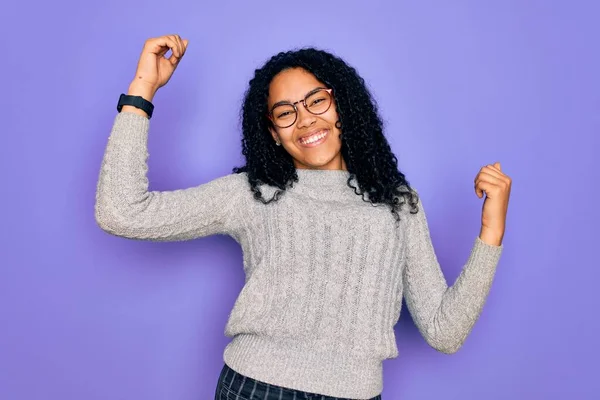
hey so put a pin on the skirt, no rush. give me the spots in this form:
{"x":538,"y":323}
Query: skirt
{"x":235,"y":386}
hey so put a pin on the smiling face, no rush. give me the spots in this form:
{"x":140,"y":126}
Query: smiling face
{"x":312,"y":140}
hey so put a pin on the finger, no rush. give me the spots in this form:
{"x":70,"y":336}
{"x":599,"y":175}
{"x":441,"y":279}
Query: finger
{"x":173,"y":59}
{"x":493,"y":185}
{"x":489,"y":176}
{"x":161,"y":45}
{"x":482,"y":187}
{"x":181,"y":46}
{"x":478,"y":190}
{"x":174,"y":47}
{"x":492,"y":182}
{"x":185,"y":44}
{"x":163,"y":51}
{"x":175,"y":51}
{"x":505,"y":178}
{"x":491,"y":170}
{"x":496,"y":167}
{"x":177,"y":41}
{"x":493,"y":175}
{"x":169,"y":44}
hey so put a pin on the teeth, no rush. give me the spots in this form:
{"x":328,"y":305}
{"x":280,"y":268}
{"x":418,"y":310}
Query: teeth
{"x":313,"y":138}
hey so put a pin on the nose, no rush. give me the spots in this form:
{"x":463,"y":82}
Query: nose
{"x":305,"y":118}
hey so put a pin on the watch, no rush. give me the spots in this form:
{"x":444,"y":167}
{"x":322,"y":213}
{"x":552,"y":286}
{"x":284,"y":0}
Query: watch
{"x":137,"y":102}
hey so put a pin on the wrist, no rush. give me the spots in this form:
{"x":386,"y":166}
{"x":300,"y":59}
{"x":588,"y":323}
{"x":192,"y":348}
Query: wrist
{"x":491,"y":237}
{"x":145,"y":91}
{"x":140,"y":89}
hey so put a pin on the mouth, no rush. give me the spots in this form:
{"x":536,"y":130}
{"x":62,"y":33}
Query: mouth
{"x":314,"y":139}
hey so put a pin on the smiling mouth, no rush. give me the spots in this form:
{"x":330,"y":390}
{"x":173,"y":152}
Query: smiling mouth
{"x":315,"y":139}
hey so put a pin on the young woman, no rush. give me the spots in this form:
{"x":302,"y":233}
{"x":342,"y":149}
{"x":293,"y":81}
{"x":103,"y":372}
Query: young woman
{"x":333,"y":235}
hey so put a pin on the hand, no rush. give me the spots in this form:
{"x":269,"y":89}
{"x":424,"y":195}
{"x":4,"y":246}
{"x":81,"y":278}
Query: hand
{"x":496,"y":186}
{"x":154,"y":70}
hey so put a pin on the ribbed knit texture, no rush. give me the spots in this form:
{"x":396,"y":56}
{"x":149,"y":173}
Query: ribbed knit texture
{"x":325,"y":271}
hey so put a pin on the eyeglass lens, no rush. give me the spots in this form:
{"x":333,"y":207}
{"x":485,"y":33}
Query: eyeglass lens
{"x":285,"y":115}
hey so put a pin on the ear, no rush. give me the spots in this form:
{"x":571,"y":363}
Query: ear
{"x":274,"y":134}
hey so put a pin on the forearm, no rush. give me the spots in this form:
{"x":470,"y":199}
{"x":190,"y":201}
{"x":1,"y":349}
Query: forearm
{"x":493,"y":238}
{"x":122,"y":189}
{"x":461,"y":304}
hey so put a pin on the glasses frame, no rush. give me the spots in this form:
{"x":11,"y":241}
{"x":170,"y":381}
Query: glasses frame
{"x":303,"y":101}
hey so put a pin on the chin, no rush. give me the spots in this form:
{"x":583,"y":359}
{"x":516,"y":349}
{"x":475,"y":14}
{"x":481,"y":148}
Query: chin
{"x":316,"y":164}
{"x":317,"y":157}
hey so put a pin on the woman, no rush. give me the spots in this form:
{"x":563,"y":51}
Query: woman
{"x":333,"y":236}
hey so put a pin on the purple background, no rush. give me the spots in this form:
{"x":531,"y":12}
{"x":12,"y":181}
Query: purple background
{"x":84,"y":315}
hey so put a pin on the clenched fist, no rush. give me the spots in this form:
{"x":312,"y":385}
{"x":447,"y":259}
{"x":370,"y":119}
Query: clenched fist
{"x":496,"y":186}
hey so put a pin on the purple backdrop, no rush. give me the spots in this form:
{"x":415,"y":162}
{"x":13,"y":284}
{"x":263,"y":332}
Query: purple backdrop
{"x":84,"y":315}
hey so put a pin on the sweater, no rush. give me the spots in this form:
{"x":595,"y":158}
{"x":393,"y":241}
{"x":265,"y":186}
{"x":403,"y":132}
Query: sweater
{"x":325,"y":271}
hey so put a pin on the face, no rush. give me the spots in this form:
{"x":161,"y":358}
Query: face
{"x":312,"y":140}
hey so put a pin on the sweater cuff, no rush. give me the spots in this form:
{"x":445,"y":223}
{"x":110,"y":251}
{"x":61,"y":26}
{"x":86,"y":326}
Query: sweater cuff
{"x":131,"y":122}
{"x":485,"y":254}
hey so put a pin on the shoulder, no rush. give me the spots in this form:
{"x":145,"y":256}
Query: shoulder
{"x":232,"y":185}
{"x":409,"y":199}
{"x":233,"y":180}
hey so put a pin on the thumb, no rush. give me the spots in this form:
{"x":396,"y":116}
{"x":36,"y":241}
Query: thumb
{"x":185,"y":43}
{"x":497,"y":165}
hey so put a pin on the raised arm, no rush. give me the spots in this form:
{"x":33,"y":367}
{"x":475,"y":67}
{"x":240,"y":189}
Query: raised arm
{"x":124,"y":206}
{"x":445,"y":315}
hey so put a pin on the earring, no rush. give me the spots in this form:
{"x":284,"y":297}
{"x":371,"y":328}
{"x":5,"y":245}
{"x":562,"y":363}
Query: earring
{"x":338,"y":124}
{"x":277,"y":144}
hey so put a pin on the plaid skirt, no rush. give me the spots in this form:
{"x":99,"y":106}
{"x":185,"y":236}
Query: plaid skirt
{"x":235,"y":386}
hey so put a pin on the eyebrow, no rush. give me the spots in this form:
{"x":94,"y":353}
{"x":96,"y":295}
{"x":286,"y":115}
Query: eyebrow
{"x":282,"y":102}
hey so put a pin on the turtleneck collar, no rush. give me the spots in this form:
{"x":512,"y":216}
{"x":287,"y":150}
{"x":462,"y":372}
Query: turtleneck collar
{"x":320,"y":184}
{"x":322,"y":178}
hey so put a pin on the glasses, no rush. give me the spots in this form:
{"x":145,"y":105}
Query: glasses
{"x":284,"y":114}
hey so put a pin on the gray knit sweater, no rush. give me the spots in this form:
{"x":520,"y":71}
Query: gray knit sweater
{"x":325,"y":271}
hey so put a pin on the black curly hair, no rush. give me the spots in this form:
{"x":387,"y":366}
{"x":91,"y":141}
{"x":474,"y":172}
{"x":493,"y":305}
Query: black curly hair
{"x":365,"y":150}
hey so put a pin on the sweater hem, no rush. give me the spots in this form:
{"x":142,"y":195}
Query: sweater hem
{"x":307,"y":370}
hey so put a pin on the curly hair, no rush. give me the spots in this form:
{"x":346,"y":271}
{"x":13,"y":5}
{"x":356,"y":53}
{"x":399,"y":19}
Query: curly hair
{"x":366,"y":152}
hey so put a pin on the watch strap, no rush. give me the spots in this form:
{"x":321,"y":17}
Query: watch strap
{"x":137,"y":102}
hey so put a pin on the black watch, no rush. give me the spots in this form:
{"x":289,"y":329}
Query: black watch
{"x":137,"y":102}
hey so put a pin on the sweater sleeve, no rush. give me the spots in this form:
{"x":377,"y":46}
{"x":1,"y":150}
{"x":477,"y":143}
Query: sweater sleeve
{"x":126,"y":208}
{"x":445,"y":315}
